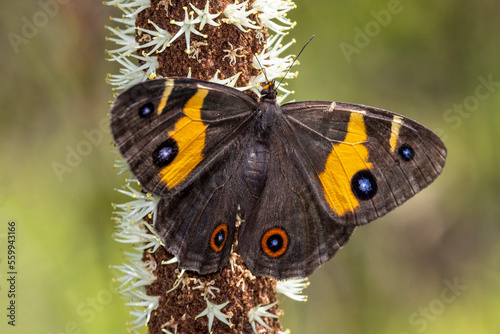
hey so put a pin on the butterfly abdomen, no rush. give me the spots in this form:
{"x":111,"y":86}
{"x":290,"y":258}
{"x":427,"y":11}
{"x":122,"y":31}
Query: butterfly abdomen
{"x":256,"y":167}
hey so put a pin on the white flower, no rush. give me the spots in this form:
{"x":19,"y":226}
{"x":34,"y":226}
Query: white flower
{"x":130,"y":7}
{"x":187,"y":27}
{"x":143,"y":304}
{"x":270,"y":10}
{"x":257,"y":313}
{"x":129,"y":22}
{"x":136,"y":275}
{"x":120,"y":164}
{"x":293,"y":288}
{"x":142,"y":206}
{"x":205,"y":16}
{"x":123,"y":39}
{"x":274,"y":66}
{"x":130,"y":227}
{"x":233,"y":54}
{"x":131,"y":73}
{"x":161,"y":38}
{"x":212,"y":311}
{"x":237,"y":15}
{"x":227,"y":82}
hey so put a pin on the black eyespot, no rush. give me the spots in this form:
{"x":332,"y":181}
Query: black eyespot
{"x":363,"y":185}
{"x":406,"y":152}
{"x":219,"y":237}
{"x":146,"y":110}
{"x":165,"y":153}
{"x":274,"y":242}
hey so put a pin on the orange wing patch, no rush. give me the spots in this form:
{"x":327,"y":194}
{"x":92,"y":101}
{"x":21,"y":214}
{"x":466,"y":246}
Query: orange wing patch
{"x":345,"y":160}
{"x":395,"y":128}
{"x":189,"y":133}
{"x":169,"y":85}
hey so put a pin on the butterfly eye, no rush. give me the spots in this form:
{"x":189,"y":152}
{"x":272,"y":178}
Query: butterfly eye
{"x":275,"y":242}
{"x":264,"y":92}
{"x":146,"y":110}
{"x":219,"y":237}
{"x":165,"y":153}
{"x":406,"y":152}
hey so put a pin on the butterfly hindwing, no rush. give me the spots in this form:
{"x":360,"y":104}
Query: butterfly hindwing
{"x":198,"y":223}
{"x":287,"y":233}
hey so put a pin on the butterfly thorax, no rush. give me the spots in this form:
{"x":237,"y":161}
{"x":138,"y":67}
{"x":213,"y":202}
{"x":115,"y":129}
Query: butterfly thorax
{"x":268,"y":112}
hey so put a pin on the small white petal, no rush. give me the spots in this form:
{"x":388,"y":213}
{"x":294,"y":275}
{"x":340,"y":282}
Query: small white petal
{"x":293,"y":288}
{"x":213,"y":310}
{"x":257,"y":313}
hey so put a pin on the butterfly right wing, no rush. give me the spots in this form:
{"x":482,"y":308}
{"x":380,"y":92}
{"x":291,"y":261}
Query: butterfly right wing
{"x":368,"y":160}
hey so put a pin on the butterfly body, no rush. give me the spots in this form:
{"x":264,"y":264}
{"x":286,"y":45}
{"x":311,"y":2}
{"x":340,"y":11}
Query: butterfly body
{"x":304,"y":174}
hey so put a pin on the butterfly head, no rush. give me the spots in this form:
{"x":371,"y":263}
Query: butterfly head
{"x":268,"y":92}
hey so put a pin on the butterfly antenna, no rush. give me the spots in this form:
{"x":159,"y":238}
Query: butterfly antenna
{"x":279,"y":84}
{"x":255,"y":55}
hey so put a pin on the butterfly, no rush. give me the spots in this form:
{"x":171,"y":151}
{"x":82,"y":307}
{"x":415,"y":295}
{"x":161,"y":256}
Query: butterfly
{"x":302,"y":176}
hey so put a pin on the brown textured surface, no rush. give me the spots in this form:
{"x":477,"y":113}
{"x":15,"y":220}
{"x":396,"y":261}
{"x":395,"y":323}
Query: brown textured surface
{"x":174,"y":61}
{"x":178,"y":309}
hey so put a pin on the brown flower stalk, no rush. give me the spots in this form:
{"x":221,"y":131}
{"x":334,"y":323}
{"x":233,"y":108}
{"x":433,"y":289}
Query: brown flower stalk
{"x":209,"y":40}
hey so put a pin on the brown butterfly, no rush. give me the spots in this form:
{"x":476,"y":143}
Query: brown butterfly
{"x":305,"y":174}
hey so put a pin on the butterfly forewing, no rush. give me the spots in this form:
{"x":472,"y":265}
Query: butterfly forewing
{"x":368,"y":160}
{"x":166,"y":128}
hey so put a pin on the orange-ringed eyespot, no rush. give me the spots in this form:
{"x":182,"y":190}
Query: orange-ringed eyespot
{"x":275,"y":242}
{"x":219,"y":237}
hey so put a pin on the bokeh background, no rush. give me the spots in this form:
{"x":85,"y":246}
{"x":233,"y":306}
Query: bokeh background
{"x":430,"y":266}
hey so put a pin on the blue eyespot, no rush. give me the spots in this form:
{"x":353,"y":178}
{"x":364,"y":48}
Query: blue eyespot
{"x":406,"y":152}
{"x":274,"y":242}
{"x":146,"y":110}
{"x":363,"y":185}
{"x":165,"y":153}
{"x":219,"y":238}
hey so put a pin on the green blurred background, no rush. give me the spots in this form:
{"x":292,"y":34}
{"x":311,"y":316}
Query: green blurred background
{"x":424,"y":60}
